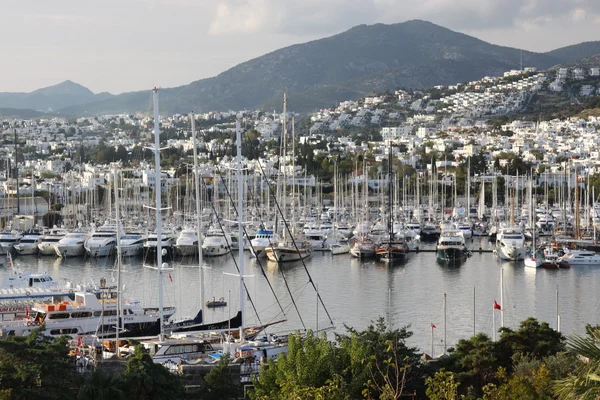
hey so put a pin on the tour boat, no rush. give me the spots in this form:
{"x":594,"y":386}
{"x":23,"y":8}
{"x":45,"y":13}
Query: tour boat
{"x":90,"y":313}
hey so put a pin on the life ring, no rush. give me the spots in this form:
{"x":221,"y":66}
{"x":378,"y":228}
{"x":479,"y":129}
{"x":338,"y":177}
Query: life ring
{"x":29,"y":323}
{"x":28,"y":293}
{"x":237,"y":354}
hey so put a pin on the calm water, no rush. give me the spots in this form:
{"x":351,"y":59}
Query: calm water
{"x":356,"y":292}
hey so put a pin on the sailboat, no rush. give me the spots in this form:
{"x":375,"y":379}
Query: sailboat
{"x":532,"y":258}
{"x":394,"y":248}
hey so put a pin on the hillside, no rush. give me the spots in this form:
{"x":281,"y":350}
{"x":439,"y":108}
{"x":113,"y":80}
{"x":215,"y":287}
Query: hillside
{"x":20,"y":113}
{"x":355,"y":63}
{"x":51,"y":98}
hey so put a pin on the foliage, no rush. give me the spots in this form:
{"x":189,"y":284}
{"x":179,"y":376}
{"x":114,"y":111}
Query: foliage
{"x":374,"y":364}
{"x":36,"y":367}
{"x":219,"y":384}
{"x":102,"y":384}
{"x":146,"y":380}
{"x":443,"y":385}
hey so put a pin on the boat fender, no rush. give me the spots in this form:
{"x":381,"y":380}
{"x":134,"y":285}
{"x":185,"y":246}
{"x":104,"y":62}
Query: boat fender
{"x":237,"y":354}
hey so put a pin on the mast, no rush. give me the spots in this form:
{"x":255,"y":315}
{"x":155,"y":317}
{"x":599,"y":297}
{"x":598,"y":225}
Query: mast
{"x":445,"y":318}
{"x":119,"y":294}
{"x":198,"y":211}
{"x":17,"y":171}
{"x":238,"y":138}
{"x":501,"y":298}
{"x":158,"y":190}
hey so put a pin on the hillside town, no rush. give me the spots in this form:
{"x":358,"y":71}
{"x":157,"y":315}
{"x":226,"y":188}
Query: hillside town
{"x":68,"y":156}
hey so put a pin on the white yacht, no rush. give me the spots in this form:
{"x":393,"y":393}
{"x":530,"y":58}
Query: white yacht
{"x":187,"y":242}
{"x":132,"y":244}
{"x":580,"y":258}
{"x":172,"y":352}
{"x":151,"y":243}
{"x":90,"y":313}
{"x":28,"y":244}
{"x":71,"y":245}
{"x":510,"y":244}
{"x":261,"y":241}
{"x":317,"y":238}
{"x":103,"y":241}
{"x":215,"y":244}
{"x":46,"y":246}
{"x":466,"y":229}
{"x":20,"y":280}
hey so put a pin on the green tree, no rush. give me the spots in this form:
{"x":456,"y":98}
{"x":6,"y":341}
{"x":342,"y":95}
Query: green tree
{"x":584,"y":382}
{"x":146,"y":380}
{"x":443,"y":385}
{"x":219,"y":383}
{"x":37,"y":367}
{"x":101,"y":384}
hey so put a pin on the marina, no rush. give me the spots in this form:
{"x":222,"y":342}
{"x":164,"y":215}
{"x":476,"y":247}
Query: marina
{"x":357,"y":292}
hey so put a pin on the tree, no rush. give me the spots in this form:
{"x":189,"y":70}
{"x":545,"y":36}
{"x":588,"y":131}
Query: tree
{"x":584,"y":382}
{"x":37,"y":366}
{"x":443,"y":385}
{"x":102,"y":385}
{"x":146,"y":380}
{"x":219,"y":384}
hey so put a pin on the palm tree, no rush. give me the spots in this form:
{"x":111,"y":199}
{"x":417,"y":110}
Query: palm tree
{"x":101,"y":385}
{"x":584,"y":383}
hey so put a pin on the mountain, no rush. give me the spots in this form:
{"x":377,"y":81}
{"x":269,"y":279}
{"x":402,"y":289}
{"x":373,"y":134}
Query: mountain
{"x":24,"y":113}
{"x":50,"y":98}
{"x":576,"y":52}
{"x":363,"y":60}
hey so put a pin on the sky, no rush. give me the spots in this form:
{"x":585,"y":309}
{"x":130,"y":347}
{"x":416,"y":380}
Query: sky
{"x":128,"y":45}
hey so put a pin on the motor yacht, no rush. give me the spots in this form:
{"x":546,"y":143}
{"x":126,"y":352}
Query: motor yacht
{"x":187,"y":242}
{"x":580,"y":258}
{"x":451,"y":246}
{"x":71,"y":245}
{"x":103,"y":241}
{"x":49,"y":240}
{"x":510,"y":244}
{"x":215,"y":244}
{"x":28,"y":244}
{"x":262,"y":240}
{"x":132,"y":244}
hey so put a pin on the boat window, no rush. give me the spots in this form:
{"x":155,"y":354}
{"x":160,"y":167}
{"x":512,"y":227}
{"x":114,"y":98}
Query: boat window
{"x":173,"y":350}
{"x":66,"y":331}
{"x":58,"y":316}
{"x":82,"y":314}
{"x":110,"y":313}
{"x":97,"y":313}
{"x":36,"y":279}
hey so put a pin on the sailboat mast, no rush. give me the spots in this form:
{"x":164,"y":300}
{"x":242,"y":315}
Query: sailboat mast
{"x":158,"y":190}
{"x":198,"y":210}
{"x":119,"y":294}
{"x":238,"y":138}
{"x":445,"y":315}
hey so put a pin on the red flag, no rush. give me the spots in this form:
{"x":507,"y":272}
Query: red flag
{"x":433,"y":326}
{"x":170,"y":278}
{"x":79,"y":341}
{"x":27,"y":312}
{"x":497,"y":306}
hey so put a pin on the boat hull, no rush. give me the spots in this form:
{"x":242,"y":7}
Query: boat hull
{"x":76,"y":250}
{"x":451,"y":255}
{"x":281,"y":255}
{"x":26,"y":250}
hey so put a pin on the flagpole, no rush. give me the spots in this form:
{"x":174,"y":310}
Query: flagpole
{"x":432,"y":354}
{"x":494,"y":323}
{"x":445,"y":344}
{"x":473,"y":310}
{"x":501,"y":297}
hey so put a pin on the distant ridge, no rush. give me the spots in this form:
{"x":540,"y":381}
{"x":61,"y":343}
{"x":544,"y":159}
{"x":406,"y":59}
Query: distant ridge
{"x":362,"y":60}
{"x":51,"y":98}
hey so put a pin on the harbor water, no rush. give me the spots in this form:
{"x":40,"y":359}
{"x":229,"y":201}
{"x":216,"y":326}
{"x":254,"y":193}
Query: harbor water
{"x":357,"y":292}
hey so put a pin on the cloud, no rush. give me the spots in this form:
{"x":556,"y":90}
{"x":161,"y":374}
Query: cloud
{"x":310,"y":17}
